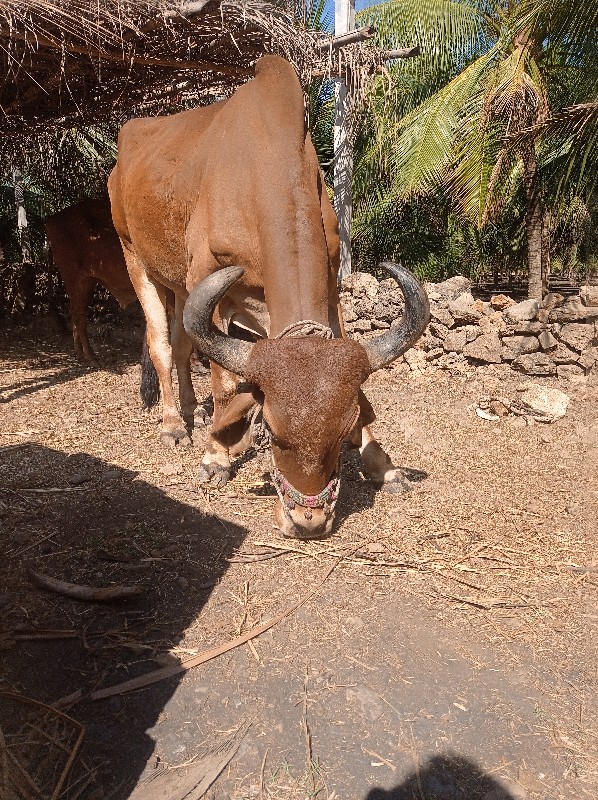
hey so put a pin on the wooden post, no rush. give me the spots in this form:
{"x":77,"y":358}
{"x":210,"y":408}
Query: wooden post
{"x":344,"y":22}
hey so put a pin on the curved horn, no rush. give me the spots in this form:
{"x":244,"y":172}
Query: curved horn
{"x":392,"y":344}
{"x":230,"y":353}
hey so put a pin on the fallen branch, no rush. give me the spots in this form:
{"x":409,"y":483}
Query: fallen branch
{"x":168,"y":672}
{"x":29,"y":635}
{"x":49,"y":490}
{"x":87,"y":593}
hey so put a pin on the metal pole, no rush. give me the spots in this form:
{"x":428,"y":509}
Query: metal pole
{"x":344,"y":22}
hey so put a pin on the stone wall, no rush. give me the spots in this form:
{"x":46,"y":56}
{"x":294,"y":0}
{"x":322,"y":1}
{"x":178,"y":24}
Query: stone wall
{"x":558,"y":336}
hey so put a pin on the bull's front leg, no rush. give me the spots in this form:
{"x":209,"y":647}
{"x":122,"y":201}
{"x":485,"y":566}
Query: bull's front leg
{"x":215,"y":465}
{"x":152,"y":297}
{"x":379,"y":467}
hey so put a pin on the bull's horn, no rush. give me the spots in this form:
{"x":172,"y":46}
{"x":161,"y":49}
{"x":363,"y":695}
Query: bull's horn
{"x":230,"y":353}
{"x":392,"y":344}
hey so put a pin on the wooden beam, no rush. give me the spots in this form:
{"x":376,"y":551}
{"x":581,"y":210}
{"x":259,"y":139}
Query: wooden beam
{"x":359,"y":35}
{"x":404,"y":52}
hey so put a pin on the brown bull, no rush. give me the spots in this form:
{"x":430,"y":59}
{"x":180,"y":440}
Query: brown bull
{"x":86,"y":249}
{"x":225,"y":205}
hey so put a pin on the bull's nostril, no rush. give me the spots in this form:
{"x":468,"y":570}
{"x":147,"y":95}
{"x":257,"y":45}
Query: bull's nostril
{"x":308,"y":514}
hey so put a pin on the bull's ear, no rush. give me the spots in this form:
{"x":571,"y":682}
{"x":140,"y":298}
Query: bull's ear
{"x":236,"y":413}
{"x":366,"y":412}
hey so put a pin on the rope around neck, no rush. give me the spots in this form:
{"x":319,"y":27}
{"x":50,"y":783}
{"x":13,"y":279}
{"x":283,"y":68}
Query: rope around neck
{"x":306,"y":327}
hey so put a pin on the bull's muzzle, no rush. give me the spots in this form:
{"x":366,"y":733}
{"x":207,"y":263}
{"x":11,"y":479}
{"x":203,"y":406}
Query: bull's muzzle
{"x":302,"y":516}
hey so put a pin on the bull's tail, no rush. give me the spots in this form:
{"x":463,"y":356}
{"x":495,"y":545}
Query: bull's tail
{"x":150,"y":386}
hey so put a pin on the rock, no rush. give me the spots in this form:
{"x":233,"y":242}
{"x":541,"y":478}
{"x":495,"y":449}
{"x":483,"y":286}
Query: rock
{"x":547,"y":340}
{"x":441,"y":314}
{"x":578,"y":336}
{"x":463,"y":309}
{"x":527,"y":327}
{"x":514,"y":346}
{"x":361,"y":325}
{"x":379,"y":324}
{"x":348,"y":308}
{"x":573,"y":310}
{"x":500,"y":301}
{"x":453,"y":287}
{"x":486,"y":348}
{"x":472,"y":332}
{"x":77,"y":479}
{"x":544,"y":401}
{"x":521,"y":312}
{"x":436,"y":352}
{"x":551,"y":301}
{"x":535,"y":364}
{"x":387,"y":309}
{"x":183,"y":583}
{"x":589,"y":295}
{"x":492,"y":323}
{"x":428,"y":342}
{"x":363,"y":307}
{"x":416,"y":361}
{"x":567,"y":371}
{"x":389,"y":285}
{"x":564,"y":355}
{"x":437,"y":329}
{"x":455,"y":341}
{"x":588,"y":359}
{"x":171,"y":469}
{"x":360,"y":285}
{"x":368,"y":700}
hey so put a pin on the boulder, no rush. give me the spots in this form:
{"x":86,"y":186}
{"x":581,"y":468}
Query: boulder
{"x":544,"y":401}
{"x":589,"y":295}
{"x":363,"y":306}
{"x":463,"y":309}
{"x":486,"y":347}
{"x":535,"y":364}
{"x":441,"y":314}
{"x":567,"y":371}
{"x":551,"y":301}
{"x":589,"y":358}
{"x":500,"y":301}
{"x":348,"y":308}
{"x":547,"y":340}
{"x":438,"y":329}
{"x":435,"y":353}
{"x":360,"y":284}
{"x":455,"y":341}
{"x":387,"y":309}
{"x":361,"y":325}
{"x":526,"y":327}
{"x":472,"y":332}
{"x":563,"y":354}
{"x":521,"y":312}
{"x":492,"y":323}
{"x":515,"y":346}
{"x":573,"y":310}
{"x":453,"y":287}
{"x":578,"y":336}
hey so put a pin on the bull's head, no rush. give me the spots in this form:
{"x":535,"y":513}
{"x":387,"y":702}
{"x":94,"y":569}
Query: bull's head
{"x":309,"y":387}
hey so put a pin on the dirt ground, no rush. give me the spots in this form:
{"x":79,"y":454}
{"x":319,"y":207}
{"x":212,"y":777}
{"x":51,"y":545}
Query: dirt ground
{"x":451,"y":653}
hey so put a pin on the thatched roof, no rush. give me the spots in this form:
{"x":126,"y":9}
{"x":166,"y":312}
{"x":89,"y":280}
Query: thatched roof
{"x":77,"y":61}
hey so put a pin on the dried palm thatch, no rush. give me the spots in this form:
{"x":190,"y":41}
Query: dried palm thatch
{"x":74,"y":62}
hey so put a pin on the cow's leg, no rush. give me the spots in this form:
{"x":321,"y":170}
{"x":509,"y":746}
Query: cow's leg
{"x":152,"y":297}
{"x":181,"y":352}
{"x":80,"y":295}
{"x":215,"y":465}
{"x":378,"y":465}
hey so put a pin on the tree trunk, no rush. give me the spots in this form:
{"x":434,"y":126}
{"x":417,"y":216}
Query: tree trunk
{"x":533,"y":222}
{"x":545,"y":251}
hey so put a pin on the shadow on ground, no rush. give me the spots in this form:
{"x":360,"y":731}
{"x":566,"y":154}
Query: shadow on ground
{"x":41,"y":346}
{"x":445,"y":777}
{"x":100,"y":525}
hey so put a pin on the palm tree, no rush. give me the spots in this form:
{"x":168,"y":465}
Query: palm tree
{"x":494,"y":70}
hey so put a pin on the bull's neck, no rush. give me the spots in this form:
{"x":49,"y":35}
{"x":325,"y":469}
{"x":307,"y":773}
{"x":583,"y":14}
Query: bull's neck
{"x":295,"y":268}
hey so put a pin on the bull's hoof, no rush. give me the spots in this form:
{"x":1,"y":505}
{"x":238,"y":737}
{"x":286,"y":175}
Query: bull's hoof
{"x":396,"y":483}
{"x":213,"y":475}
{"x":174,"y":437}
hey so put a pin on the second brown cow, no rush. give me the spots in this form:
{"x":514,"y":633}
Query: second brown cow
{"x":87,"y":251}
